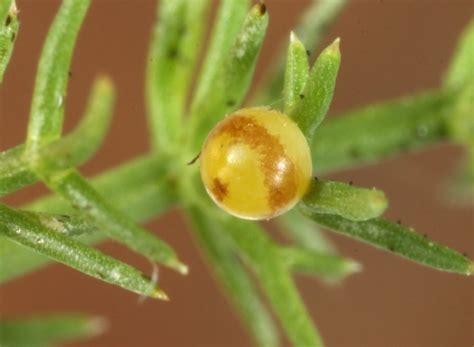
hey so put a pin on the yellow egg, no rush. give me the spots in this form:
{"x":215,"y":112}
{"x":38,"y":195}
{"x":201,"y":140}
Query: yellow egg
{"x":256,"y":163}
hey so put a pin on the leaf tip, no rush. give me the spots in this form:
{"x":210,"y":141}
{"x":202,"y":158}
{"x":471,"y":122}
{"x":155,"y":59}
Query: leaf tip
{"x":295,"y":41}
{"x":160,"y":295}
{"x":293,"y":37}
{"x":378,"y":202}
{"x":105,"y":82}
{"x":180,"y":267}
{"x":334,"y":47}
{"x":97,"y":326}
{"x":13,"y":11}
{"x":470,"y":269}
{"x":352,"y":267}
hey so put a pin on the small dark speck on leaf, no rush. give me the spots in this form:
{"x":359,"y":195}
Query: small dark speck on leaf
{"x":308,"y":53}
{"x":262,"y":8}
{"x":230,"y":103}
{"x":13,"y":37}
{"x":173,"y":53}
{"x":404,"y":146}
{"x":354,"y":152}
{"x":8,"y":20}
{"x":69,"y":73}
{"x":425,"y":236}
{"x":351,"y":183}
{"x":182,"y":30}
{"x":301,"y":96}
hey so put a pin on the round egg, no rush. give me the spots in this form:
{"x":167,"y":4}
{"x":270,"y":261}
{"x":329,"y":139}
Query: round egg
{"x":256,"y":163}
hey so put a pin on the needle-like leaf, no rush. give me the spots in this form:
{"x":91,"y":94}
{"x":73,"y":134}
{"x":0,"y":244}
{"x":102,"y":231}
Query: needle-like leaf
{"x":231,"y":79}
{"x":461,"y":68}
{"x":395,"y":238}
{"x":317,"y":94}
{"x":275,"y":278}
{"x":379,"y":131}
{"x":15,"y":172}
{"x":138,"y":188}
{"x":46,"y":330}
{"x":73,"y":149}
{"x":173,"y":52}
{"x":296,"y":73}
{"x":311,"y":262}
{"x":312,"y":29}
{"x":47,"y":108}
{"x":112,"y":221}
{"x":305,"y":233}
{"x":220,"y":251}
{"x":9,"y":26}
{"x":345,"y":200}
{"x":229,"y":21}
{"x":70,"y":225}
{"x":25,"y":231}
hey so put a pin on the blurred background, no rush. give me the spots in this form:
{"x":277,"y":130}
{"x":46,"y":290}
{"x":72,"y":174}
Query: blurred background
{"x":390,"y":48}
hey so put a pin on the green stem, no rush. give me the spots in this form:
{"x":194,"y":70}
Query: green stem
{"x":220,"y":251}
{"x":275,"y":278}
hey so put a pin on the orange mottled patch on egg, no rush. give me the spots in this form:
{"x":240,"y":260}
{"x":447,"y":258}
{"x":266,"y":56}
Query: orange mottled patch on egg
{"x":219,"y":189}
{"x":246,"y":130}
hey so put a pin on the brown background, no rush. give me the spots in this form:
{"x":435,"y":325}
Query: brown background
{"x":390,"y":48}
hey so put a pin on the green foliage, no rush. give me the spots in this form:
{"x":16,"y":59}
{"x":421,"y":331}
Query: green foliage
{"x":317,"y":93}
{"x":253,"y":268}
{"x":47,"y":107}
{"x":26,"y":231}
{"x":296,"y":73}
{"x":8,"y":29}
{"x":461,"y":69}
{"x":344,"y":200}
{"x":115,"y":224}
{"x":172,"y":56}
{"x":382,"y":130}
{"x":460,"y":77}
{"x":395,"y":238}
{"x":73,"y":149}
{"x":274,"y":273}
{"x":224,"y":260}
{"x":229,"y":80}
{"x":311,"y":29}
{"x":304,"y":233}
{"x":138,"y":188}
{"x":48,"y":330}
